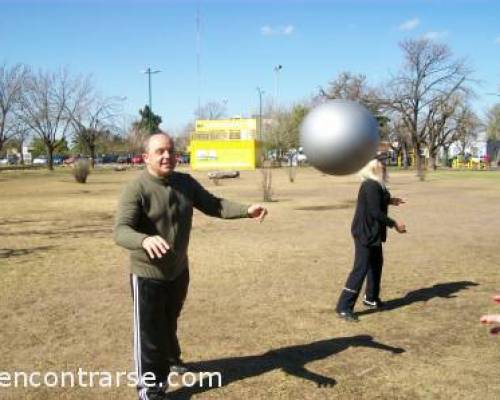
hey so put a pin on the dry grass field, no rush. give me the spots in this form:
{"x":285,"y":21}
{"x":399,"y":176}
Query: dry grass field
{"x":261,"y":301}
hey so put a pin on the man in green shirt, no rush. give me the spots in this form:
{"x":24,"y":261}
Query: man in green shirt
{"x":153,"y":221}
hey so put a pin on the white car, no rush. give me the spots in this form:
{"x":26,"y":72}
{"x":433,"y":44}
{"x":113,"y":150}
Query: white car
{"x":4,"y":161}
{"x":42,"y":160}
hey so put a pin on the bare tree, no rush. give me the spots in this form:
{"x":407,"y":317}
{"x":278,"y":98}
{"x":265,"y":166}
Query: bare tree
{"x":135,"y":139}
{"x":183,"y":138}
{"x":493,"y":122}
{"x":467,"y":128}
{"x":12,"y":83}
{"x":430,"y":77}
{"x":351,"y":86}
{"x":48,"y":103}
{"x":354,"y":87}
{"x":283,"y":133}
{"x":19,"y":138}
{"x":94,"y":119}
{"x":440,"y":125}
{"x":398,"y":138}
{"x":211,"y":110}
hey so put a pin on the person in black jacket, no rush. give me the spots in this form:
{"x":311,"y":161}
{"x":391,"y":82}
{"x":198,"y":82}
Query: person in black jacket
{"x":369,"y":230}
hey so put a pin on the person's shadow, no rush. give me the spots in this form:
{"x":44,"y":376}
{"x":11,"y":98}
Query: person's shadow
{"x":443,"y":290}
{"x":291,"y":360}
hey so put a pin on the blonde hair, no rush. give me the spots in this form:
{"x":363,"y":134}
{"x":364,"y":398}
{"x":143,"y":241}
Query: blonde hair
{"x":373,"y":171}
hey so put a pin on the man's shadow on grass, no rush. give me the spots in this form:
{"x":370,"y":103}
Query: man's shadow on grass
{"x":291,"y":360}
{"x":443,"y":290}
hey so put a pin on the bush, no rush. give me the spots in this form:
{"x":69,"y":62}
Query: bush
{"x":81,"y":170}
{"x":292,"y":172}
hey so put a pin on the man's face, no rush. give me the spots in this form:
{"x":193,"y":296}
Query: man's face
{"x":160,"y":157}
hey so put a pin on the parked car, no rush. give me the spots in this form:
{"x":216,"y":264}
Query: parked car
{"x":70,"y":160}
{"x":4,"y":161}
{"x":109,"y":158}
{"x":137,"y":160}
{"x":182,"y":158}
{"x":58,"y":160}
{"x":123,"y":160}
{"x":40,"y":160}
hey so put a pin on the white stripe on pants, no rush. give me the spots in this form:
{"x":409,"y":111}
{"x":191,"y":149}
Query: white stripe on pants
{"x":137,"y":340}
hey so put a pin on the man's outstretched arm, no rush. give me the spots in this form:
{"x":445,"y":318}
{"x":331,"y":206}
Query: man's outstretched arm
{"x":214,"y":206}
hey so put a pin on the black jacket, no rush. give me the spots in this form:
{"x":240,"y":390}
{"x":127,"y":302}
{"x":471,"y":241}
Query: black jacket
{"x":370,"y":222}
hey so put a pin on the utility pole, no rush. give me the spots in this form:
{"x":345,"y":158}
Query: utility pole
{"x":277,"y":69}
{"x":149,"y":72}
{"x":261,"y":92}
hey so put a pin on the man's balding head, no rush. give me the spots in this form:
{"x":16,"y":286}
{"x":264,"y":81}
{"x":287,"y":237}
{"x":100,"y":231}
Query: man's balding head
{"x":159,"y":154}
{"x":154,"y":137}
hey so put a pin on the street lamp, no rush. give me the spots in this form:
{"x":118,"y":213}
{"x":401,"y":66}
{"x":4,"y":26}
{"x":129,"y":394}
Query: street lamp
{"x":276,"y":69}
{"x":149,"y":72}
{"x":261,"y":92}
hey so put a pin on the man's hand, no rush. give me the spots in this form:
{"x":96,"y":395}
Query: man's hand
{"x":257,"y":211}
{"x":492,"y":318}
{"x":155,"y":246}
{"x":396,"y":201}
{"x":400,"y":227}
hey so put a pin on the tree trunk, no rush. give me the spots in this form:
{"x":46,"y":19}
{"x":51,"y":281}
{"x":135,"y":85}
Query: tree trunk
{"x":433,"y":158}
{"x":418,"y":161}
{"x":50,"y":160}
{"x":432,"y":162}
{"x":92,"y":155}
{"x":21,"y":145}
{"x":404,"y":150}
{"x":446,"y":155}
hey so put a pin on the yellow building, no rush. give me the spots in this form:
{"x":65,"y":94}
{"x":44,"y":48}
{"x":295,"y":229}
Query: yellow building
{"x":226,"y":144}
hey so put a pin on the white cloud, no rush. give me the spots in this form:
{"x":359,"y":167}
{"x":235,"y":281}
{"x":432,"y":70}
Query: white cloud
{"x":285,"y":30}
{"x":433,"y":35}
{"x":497,"y":40}
{"x":409,"y":25}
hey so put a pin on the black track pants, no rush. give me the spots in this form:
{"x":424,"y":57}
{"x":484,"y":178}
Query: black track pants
{"x":157,"y":306}
{"x":368,"y":263}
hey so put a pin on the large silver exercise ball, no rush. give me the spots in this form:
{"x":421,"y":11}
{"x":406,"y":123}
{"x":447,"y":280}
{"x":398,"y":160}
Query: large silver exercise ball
{"x":339,"y":137}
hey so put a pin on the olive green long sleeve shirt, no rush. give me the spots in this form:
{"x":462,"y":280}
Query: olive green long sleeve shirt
{"x":152,"y":206}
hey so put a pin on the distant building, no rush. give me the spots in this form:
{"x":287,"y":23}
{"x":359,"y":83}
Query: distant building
{"x":225,"y":144}
{"x":26,"y":154}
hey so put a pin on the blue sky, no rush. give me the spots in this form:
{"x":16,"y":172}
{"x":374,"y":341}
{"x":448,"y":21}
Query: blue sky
{"x":241,"y":42}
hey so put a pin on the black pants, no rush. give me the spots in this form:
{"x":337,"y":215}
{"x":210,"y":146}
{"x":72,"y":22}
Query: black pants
{"x":368,"y":263}
{"x":157,"y":306}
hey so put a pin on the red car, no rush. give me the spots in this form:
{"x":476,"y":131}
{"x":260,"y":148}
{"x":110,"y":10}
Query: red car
{"x":70,"y":160}
{"x":137,"y":160}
